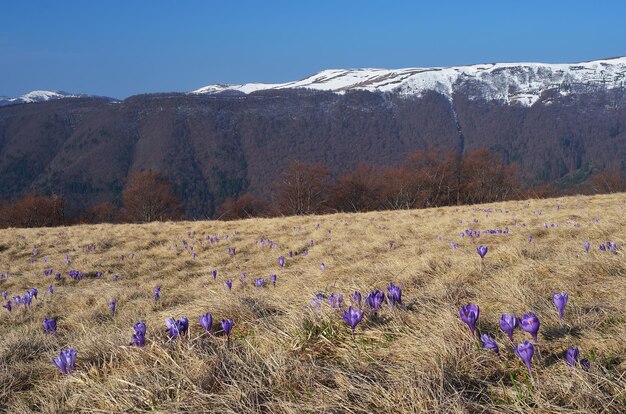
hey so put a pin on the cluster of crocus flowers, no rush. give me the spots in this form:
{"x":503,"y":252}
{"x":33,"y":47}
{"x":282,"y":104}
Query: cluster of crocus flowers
{"x":609,"y":247}
{"x":176,"y":327}
{"x":76,"y":275}
{"x":335,"y":300}
{"x":66,"y":361}
{"x":374,"y":299}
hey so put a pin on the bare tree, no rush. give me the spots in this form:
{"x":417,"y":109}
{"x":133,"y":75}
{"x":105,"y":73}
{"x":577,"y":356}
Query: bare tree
{"x":302,"y":189}
{"x":148,"y":197}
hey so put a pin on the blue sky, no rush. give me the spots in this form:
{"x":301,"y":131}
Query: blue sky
{"x":121,"y":48}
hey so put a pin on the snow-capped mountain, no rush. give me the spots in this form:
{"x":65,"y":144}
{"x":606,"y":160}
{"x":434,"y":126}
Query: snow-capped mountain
{"x":39,"y":96}
{"x":521,"y":83}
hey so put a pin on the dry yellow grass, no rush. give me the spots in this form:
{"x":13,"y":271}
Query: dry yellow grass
{"x":285,"y":358}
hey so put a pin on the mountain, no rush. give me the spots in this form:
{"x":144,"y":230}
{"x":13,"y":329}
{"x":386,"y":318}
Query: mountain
{"x":39,"y":96}
{"x":554,"y":121}
{"x":511,"y":83}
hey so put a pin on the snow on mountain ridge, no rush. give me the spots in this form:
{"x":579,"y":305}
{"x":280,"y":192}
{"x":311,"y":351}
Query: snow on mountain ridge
{"x":521,"y":83}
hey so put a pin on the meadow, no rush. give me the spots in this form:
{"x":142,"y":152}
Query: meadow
{"x":289,"y":350}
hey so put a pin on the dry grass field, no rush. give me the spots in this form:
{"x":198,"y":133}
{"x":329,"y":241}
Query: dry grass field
{"x":284,"y":355}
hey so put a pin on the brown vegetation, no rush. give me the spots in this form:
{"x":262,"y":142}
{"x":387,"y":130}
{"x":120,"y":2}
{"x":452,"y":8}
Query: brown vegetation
{"x":148,"y":197}
{"x":32,"y":210}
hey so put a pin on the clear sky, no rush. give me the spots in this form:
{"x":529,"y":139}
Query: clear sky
{"x":121,"y":48}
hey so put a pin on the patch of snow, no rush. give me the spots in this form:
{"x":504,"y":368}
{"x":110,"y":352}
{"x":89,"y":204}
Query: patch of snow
{"x":512,"y":83}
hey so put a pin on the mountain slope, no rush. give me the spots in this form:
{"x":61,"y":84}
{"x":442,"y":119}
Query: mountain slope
{"x":218,"y":144}
{"x":521,"y":83}
{"x":40,"y":96}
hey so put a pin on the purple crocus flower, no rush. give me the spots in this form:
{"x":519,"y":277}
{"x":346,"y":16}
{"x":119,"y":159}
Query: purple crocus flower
{"x":352,"y":317}
{"x":214,"y":273}
{"x":587,"y":246}
{"x":4,"y":294}
{"x":560,"y":300}
{"x":390,"y":245}
{"x":27,"y":299}
{"x":571,"y":356}
{"x":50,"y":325}
{"x":453,"y":245}
{"x":394,"y":294}
{"x":530,"y":323}
{"x":140,"y":328}
{"x":323,"y":267}
{"x":157,"y":292}
{"x":8,"y":306}
{"x":489,"y":343}
{"x":482,"y":251}
{"x":585,"y":364}
{"x":375,"y":299}
{"x":57,"y":277}
{"x":176,"y":327}
{"x":66,"y":361}
{"x":99,"y":275}
{"x":525,"y":351}
{"x":355,"y":298}
{"x":227,"y":326}
{"x":281,"y":261}
{"x":469,"y":314}
{"x":33,"y":292}
{"x":139,"y":338}
{"x":335,"y":300}
{"x":51,"y":289}
{"x":508,"y":322}
{"x":530,"y":239}
{"x":273,"y":280}
{"x":259,"y":282}
{"x":206,"y":321}
{"x":229,"y":284}
{"x":602,"y":247}
{"x":115,"y":277}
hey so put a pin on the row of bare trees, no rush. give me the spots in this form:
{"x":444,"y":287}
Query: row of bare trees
{"x":428,"y":178}
{"x":147,"y":197}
